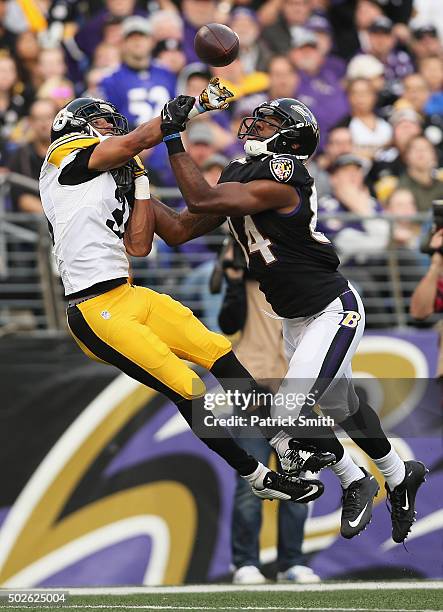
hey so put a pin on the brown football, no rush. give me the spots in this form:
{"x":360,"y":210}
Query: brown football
{"x":216,"y":44}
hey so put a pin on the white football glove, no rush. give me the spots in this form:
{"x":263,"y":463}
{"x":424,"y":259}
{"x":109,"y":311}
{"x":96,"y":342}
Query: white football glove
{"x":213,"y":97}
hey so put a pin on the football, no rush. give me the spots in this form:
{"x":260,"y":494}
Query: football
{"x":216,"y":44}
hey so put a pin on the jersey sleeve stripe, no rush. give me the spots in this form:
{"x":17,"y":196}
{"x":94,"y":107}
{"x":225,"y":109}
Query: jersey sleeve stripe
{"x":57,"y":154}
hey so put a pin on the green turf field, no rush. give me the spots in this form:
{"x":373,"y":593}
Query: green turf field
{"x":231,"y":600}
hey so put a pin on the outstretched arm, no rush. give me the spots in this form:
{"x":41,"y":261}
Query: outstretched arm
{"x":116,"y":151}
{"x":230,"y":199}
{"x":176,"y":228}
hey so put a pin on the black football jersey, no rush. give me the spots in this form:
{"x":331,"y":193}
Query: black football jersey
{"x":295,"y":265}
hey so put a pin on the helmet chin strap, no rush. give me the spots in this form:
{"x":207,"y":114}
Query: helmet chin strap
{"x":254,"y":148}
{"x":97,"y":133}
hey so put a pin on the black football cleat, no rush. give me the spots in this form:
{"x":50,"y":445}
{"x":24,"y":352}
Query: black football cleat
{"x":357,"y":502}
{"x":402,"y":500}
{"x":293,"y":463}
{"x":281,"y":486}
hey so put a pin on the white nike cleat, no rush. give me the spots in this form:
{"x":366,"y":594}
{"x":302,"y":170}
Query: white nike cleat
{"x":302,"y":457}
{"x":281,"y":486}
{"x":299,"y":574}
{"x":357,"y":502}
{"x":248,"y":574}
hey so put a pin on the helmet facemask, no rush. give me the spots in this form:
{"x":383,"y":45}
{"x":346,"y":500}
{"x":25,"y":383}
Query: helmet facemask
{"x":287,"y":133}
{"x":101,"y":110}
{"x":80,"y":119}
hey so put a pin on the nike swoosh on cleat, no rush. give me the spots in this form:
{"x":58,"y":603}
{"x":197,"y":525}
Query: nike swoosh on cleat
{"x":406,"y":507}
{"x":307,"y":494}
{"x":358,"y":519}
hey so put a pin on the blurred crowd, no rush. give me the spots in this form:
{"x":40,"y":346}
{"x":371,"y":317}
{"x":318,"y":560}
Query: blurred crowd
{"x":370,"y":70}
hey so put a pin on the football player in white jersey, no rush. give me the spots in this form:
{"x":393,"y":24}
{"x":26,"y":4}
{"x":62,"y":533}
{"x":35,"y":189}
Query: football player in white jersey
{"x":95,"y":195}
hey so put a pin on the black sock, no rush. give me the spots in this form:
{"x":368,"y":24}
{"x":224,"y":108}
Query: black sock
{"x":233,"y":376}
{"x":221,"y":443}
{"x":365,"y":429}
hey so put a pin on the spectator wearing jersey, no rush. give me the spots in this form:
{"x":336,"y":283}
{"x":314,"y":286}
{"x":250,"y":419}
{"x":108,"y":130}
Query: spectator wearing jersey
{"x":293,"y":15}
{"x":28,"y":159}
{"x":318,"y":87}
{"x":421,"y":176}
{"x":369,"y":132}
{"x":383,"y":45}
{"x":139,"y":88}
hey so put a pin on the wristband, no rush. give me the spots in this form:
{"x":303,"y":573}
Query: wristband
{"x":174,"y":143}
{"x":142,"y":188}
{"x":197,"y":109}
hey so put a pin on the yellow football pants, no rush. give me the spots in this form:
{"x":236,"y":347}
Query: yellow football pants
{"x":146,"y":335}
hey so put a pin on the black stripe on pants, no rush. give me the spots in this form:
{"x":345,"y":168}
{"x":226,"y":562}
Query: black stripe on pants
{"x":224,"y":446}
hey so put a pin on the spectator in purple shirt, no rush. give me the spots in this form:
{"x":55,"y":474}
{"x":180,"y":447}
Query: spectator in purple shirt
{"x":318,"y":88}
{"x":196,"y":13}
{"x":322,"y":29}
{"x":139,"y":88}
{"x":88,"y":37}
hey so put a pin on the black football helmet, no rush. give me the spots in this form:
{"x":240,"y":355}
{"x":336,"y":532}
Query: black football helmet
{"x":295,"y":125}
{"x":78,"y":114}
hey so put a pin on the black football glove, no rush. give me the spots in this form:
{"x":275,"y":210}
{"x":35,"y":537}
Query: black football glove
{"x":175,"y":114}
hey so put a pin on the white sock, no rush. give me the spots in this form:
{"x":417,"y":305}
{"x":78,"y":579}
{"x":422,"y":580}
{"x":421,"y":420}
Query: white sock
{"x":280,"y":442}
{"x":256,"y":478}
{"x":392,"y":468}
{"x":347,"y":471}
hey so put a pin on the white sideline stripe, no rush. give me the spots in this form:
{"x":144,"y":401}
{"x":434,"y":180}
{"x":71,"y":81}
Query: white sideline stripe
{"x":235,"y":608}
{"x":228,"y":588}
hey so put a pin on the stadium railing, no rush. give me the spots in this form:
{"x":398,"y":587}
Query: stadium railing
{"x":31,"y":296}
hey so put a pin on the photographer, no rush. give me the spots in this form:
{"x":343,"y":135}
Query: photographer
{"x":260,"y":349}
{"x":428,"y":295}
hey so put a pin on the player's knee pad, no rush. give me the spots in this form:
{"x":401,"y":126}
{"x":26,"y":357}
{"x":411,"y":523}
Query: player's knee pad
{"x":191,"y":386}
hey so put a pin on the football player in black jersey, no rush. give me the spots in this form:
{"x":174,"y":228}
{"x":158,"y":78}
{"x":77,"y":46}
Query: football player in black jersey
{"x":270,"y":202}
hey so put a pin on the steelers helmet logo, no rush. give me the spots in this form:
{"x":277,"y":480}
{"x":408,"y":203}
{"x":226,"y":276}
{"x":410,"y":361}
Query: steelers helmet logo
{"x":60,"y":120}
{"x":282,"y":168}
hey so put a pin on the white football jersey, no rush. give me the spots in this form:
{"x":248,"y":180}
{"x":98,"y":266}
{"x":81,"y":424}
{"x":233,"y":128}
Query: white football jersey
{"x":86,"y":218}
